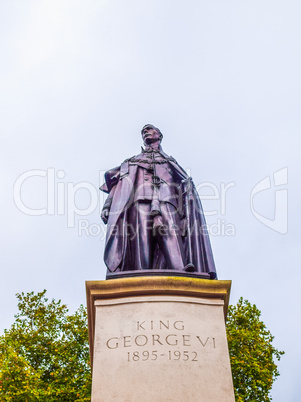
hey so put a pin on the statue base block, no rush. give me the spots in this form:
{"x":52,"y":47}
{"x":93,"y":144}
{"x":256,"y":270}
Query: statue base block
{"x":159,"y":339}
{"x":155,"y":272}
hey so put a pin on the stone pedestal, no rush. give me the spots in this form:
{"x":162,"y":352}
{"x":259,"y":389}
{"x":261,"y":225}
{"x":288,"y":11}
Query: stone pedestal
{"x":159,"y":339}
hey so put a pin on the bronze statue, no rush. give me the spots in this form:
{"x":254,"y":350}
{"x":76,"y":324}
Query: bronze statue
{"x":154,"y":216}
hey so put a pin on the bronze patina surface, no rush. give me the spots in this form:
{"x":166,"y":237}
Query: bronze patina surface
{"x":155,"y":218}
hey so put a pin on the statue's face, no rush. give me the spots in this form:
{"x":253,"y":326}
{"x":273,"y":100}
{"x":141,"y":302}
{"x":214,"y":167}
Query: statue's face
{"x":150,"y":134}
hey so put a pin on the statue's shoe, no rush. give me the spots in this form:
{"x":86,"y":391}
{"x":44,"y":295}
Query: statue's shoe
{"x":190,"y":268}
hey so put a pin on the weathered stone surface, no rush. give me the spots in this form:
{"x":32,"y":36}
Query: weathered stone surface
{"x":161,"y":347}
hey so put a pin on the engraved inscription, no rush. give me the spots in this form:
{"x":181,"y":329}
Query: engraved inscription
{"x":152,"y":325}
{"x":162,"y":334}
{"x":170,"y":355}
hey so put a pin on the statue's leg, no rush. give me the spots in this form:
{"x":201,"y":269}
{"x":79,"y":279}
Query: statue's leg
{"x":140,"y":240}
{"x":170,"y":239}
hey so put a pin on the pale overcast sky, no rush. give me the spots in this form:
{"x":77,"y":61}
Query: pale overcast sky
{"x":221,"y":79}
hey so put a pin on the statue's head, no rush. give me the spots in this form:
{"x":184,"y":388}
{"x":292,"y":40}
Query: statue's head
{"x":151,"y":134}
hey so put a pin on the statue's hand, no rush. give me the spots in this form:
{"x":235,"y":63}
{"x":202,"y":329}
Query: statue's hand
{"x":105,"y":215}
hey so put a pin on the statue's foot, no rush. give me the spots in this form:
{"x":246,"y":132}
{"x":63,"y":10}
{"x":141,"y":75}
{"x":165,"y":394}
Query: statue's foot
{"x":190,"y":268}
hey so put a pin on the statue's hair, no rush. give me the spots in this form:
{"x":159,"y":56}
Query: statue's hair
{"x":155,"y":128}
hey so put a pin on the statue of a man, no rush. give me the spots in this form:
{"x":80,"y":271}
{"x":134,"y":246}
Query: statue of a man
{"x":154,"y":215}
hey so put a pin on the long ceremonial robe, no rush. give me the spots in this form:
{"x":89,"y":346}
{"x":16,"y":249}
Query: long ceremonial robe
{"x":120,"y":184}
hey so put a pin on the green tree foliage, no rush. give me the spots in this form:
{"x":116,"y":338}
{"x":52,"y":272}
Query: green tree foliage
{"x":44,"y":356}
{"x":252,"y":354}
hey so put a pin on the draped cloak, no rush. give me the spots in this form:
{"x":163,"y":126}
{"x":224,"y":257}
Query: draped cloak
{"x":120,"y":184}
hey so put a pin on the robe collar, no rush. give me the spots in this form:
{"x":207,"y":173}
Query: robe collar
{"x":149,"y":149}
